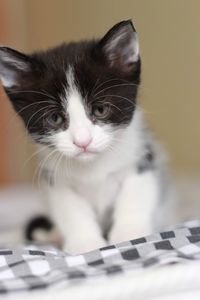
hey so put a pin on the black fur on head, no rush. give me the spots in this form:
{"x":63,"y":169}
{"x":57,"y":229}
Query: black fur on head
{"x":106,"y":72}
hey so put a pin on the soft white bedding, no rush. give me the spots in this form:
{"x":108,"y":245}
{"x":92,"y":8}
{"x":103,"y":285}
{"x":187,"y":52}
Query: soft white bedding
{"x":176,"y":282}
{"x":181,"y":282}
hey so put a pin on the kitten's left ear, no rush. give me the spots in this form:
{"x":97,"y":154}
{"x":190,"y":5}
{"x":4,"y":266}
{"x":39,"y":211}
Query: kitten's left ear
{"x":121,"y":46}
{"x":14,"y":67}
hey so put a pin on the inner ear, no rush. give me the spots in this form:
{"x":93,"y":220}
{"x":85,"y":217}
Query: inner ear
{"x":120,"y":46}
{"x":14,"y":66}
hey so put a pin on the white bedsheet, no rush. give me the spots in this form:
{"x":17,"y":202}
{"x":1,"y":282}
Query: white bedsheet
{"x":178,"y":282}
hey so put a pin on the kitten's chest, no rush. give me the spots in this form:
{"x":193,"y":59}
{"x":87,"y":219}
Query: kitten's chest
{"x":101,"y":194}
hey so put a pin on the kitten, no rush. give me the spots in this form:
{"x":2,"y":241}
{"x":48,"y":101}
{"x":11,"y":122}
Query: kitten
{"x":104,"y":176}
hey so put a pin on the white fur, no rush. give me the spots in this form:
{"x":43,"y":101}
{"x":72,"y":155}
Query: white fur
{"x":135,"y":206}
{"x":8,"y":78}
{"x":134,"y":46}
{"x":7,"y":82}
{"x":84,"y":189}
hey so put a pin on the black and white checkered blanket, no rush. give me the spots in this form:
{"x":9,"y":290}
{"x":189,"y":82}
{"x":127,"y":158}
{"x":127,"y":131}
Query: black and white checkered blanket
{"x":33,"y":267}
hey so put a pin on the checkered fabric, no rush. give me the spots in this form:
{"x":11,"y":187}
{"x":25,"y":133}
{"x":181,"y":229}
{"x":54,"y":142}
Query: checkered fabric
{"x":33,"y":267}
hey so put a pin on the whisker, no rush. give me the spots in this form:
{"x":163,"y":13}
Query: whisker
{"x":33,"y":155}
{"x":113,"y":79}
{"x":111,"y":104}
{"x":47,"y":112}
{"x":117,"y":96}
{"x":45,"y":161}
{"x":94,"y":87}
{"x":27,"y":125}
{"x":16,"y":114}
{"x":41,"y":165}
{"x":122,"y":141}
{"x":58,"y":161}
{"x":50,"y":177}
{"x":115,"y":85}
{"x":49,"y":95}
{"x":32,"y":91}
{"x":36,"y":114}
{"x":67,"y":168}
{"x":34,"y":103}
{"x":116,"y":151}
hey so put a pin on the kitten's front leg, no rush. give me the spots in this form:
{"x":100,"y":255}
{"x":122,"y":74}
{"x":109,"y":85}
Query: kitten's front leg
{"x":76,"y":221}
{"x":135,"y":205}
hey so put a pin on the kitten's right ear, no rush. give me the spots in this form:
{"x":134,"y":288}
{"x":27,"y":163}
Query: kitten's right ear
{"x":14,"y":67}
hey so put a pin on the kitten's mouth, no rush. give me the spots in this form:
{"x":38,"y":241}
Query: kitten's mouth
{"x":87,"y":153}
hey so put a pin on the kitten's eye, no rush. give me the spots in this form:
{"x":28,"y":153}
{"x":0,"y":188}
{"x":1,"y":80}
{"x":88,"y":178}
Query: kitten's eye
{"x":101,"y":111}
{"x":56,"y":119}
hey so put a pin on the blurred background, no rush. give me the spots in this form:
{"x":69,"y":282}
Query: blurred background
{"x":170,"y":50}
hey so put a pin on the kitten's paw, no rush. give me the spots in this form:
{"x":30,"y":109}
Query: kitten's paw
{"x":79,"y":245}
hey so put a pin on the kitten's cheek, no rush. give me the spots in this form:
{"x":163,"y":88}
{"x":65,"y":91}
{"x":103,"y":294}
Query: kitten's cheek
{"x":103,"y":145}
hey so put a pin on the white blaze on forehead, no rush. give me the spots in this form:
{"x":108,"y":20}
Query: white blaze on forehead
{"x":75,"y":107}
{"x":79,"y":124}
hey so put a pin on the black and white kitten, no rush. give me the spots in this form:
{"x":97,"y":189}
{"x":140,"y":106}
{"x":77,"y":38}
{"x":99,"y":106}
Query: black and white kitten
{"x":78,"y":101}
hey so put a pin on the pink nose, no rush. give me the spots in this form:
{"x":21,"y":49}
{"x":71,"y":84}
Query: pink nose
{"x":82,"y":137}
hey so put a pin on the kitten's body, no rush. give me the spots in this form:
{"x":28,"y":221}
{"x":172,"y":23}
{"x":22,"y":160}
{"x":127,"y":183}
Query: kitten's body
{"x":122,"y":190}
{"x":104,"y":175}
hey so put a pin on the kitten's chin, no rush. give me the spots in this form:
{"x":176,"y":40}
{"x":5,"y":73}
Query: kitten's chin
{"x":86,"y":156}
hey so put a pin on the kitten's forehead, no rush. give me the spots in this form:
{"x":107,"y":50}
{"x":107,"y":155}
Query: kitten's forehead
{"x":73,"y":100}
{"x":67,"y":65}
{"x":88,"y":70}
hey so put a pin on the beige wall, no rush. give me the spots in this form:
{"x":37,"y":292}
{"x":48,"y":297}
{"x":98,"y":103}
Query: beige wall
{"x":170,"y":48}
{"x":14,"y":16}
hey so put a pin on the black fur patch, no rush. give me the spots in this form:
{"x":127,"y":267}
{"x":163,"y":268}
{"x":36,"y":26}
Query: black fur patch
{"x":147,"y":161}
{"x":40,"y":222}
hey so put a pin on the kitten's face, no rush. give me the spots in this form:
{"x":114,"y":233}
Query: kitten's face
{"x":77,"y":97}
